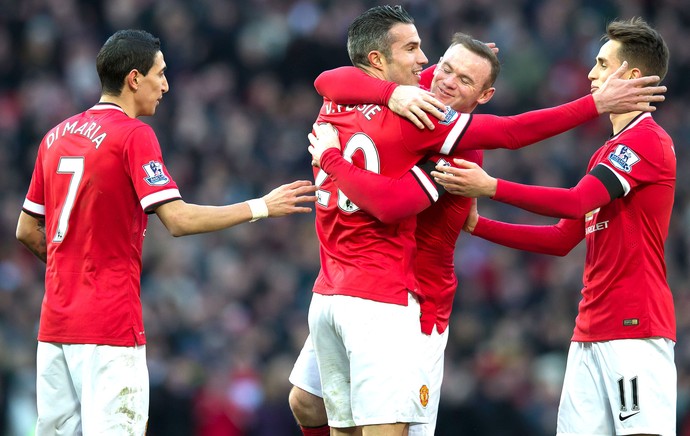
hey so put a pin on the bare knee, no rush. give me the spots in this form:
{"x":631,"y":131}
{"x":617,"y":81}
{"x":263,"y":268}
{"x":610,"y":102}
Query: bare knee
{"x":308,"y":409}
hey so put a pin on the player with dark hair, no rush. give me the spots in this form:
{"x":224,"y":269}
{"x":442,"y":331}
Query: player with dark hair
{"x":364,"y":316}
{"x":620,"y":375}
{"x":97,"y":177}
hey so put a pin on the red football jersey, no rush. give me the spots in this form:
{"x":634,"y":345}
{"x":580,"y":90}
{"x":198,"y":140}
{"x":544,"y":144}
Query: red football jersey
{"x":361,"y":256}
{"x":95,"y":176}
{"x":438,"y":229}
{"x":625,"y":292}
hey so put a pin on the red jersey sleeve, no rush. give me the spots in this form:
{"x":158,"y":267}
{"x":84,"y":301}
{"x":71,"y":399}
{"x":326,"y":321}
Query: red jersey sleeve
{"x":350,"y":85}
{"x":150,"y":177}
{"x":388,"y":200}
{"x":556,"y":240}
{"x":589,"y":194}
{"x":463,"y":131}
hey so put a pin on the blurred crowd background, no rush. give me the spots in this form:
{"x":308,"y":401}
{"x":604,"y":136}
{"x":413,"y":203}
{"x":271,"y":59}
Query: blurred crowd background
{"x":226,"y":313}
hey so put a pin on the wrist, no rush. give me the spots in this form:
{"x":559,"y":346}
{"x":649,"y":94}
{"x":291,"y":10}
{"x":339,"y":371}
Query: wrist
{"x":598,"y":103}
{"x":259,"y":209}
{"x":328,"y":156}
{"x":494,"y":187}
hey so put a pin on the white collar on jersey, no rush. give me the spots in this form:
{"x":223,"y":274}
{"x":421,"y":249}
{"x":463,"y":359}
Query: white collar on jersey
{"x":104,"y":106}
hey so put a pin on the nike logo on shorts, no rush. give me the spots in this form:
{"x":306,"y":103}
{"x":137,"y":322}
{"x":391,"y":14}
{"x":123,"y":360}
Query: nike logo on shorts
{"x":624,"y":417}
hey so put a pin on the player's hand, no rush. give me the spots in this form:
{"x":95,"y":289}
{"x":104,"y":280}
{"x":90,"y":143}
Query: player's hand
{"x":286,"y":199}
{"x":323,"y":137}
{"x":414,"y":103}
{"x":472,"y":218}
{"x":493,"y":47}
{"x":468,"y":179}
{"x":618,"y":96}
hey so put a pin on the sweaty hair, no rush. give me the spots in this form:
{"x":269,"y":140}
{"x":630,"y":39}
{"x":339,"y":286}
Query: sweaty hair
{"x":124,"y":51}
{"x":481,"y":49}
{"x":369,"y":32}
{"x":641,"y":45}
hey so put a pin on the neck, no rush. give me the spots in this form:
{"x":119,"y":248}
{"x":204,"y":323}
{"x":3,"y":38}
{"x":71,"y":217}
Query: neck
{"x":374,"y":72}
{"x":126,"y":106}
{"x":619,"y":121}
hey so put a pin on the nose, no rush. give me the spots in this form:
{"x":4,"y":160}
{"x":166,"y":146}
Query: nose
{"x":450,"y":81}
{"x":422,"y":59}
{"x":591,"y":75}
{"x":166,"y":87}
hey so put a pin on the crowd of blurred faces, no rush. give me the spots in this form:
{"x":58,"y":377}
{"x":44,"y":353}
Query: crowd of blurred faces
{"x":226,"y":313}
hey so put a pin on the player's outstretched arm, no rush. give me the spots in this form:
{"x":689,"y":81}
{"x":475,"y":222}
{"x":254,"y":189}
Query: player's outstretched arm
{"x":181,"y":218}
{"x":617,"y":95}
{"x":555,"y":240}
{"x":31,"y":232}
{"x":594,"y":190}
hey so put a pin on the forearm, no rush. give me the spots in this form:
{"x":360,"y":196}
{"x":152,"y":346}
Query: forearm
{"x":490,"y":131}
{"x":350,"y":85}
{"x":387,"y":199}
{"x":183,"y":219}
{"x":556,"y":240}
{"x":589,"y":194}
{"x":31,"y":232}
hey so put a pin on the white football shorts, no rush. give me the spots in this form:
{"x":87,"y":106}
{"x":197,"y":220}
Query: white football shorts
{"x":621,"y":387}
{"x":436,"y":347}
{"x":91,"y":389}
{"x":305,"y":375}
{"x":371,"y":360}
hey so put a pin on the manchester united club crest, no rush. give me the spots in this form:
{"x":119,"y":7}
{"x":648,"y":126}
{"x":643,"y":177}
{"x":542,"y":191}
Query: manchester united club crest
{"x":424,"y":395}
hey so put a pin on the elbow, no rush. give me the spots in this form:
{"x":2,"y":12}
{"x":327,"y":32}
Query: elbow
{"x":390,"y":217}
{"x":562,"y":253}
{"x":564,"y":250}
{"x":394,"y":213}
{"x":23,"y":235}
{"x":176,"y":233}
{"x":176,"y":229}
{"x":385,"y":217}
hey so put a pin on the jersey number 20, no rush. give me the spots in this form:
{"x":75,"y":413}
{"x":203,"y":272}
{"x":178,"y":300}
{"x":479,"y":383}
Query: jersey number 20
{"x":359,"y":141}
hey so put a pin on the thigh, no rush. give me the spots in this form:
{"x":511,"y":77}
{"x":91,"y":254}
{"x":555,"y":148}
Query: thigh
{"x":640,"y":377}
{"x":435,"y":346}
{"x":305,"y":372}
{"x":114,"y":386}
{"x":583,"y":409}
{"x":332,"y":360}
{"x":57,"y":402}
{"x":387,"y":362}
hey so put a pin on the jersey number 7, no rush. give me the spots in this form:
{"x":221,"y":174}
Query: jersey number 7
{"x":75,"y":167}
